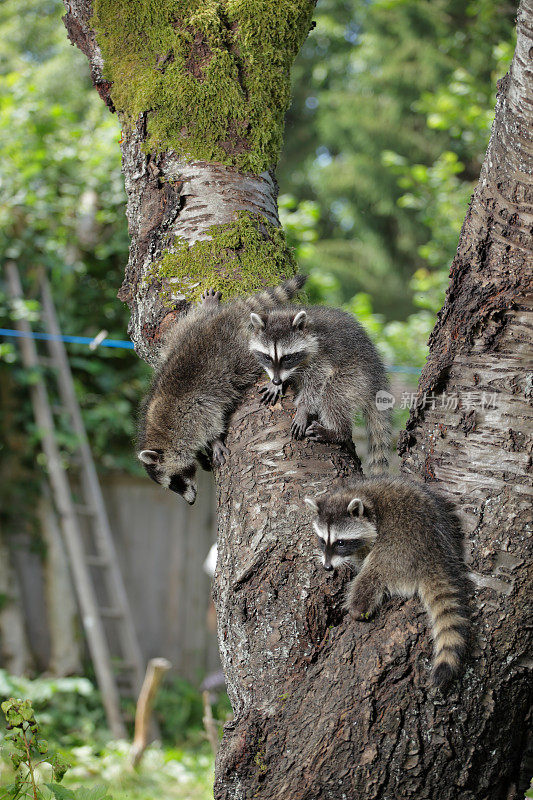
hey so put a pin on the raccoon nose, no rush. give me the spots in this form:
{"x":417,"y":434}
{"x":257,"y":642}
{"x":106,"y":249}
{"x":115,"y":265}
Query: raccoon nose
{"x":328,"y":567}
{"x":276,"y":381}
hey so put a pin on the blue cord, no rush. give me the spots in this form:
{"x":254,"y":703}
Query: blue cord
{"x":74,"y":339}
{"x":129,"y":345}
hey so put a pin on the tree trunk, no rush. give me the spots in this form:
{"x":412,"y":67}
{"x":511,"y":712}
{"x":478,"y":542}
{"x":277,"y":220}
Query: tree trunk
{"x":213,"y":160}
{"x":324,"y":707}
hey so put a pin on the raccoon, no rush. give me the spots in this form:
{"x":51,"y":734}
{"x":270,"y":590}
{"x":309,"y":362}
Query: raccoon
{"x":334,"y":368}
{"x":203,"y":369}
{"x":403,"y":539}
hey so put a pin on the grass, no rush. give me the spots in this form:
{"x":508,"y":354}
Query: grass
{"x":164,"y":772}
{"x":71,"y":718}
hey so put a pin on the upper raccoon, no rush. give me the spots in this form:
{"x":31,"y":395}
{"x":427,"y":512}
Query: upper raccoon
{"x":335,"y":368}
{"x":404,"y":538}
{"x":204,"y":368}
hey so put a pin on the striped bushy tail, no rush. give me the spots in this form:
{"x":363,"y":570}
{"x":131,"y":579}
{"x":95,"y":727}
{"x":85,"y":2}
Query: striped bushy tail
{"x":277,"y":295}
{"x":446,"y":606}
{"x":378,"y":424}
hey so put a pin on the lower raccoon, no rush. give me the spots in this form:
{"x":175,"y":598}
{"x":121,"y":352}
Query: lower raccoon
{"x":403,"y":539}
{"x":204,"y":368}
{"x":335,"y":369}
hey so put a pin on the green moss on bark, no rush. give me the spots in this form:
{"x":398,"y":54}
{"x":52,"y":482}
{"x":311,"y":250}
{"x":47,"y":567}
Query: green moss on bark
{"x":241,"y":257}
{"x":212,"y":77}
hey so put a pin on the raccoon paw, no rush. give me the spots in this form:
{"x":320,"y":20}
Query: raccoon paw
{"x":298,"y":427}
{"x":220,"y":451}
{"x":318,"y":433}
{"x":270,"y":394}
{"x":210,"y":298}
{"x":359,"y":608}
{"x":360,"y":613}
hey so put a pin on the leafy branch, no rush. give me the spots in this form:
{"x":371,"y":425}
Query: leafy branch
{"x":28,"y":753}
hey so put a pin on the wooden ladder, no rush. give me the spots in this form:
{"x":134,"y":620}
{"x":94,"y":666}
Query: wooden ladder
{"x":104,"y":607}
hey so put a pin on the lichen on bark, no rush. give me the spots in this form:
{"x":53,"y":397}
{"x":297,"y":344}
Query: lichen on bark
{"x":238,"y":258}
{"x":212,"y":77}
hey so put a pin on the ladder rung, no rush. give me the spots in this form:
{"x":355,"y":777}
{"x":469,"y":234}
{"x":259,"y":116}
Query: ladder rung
{"x":57,"y":408}
{"x":88,"y":511}
{"x":97,"y":561}
{"x":111,"y":613}
{"x":125,"y":665}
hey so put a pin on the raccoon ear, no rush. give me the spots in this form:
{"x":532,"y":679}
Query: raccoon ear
{"x":311,"y":502}
{"x":150,"y":456}
{"x":256,"y":321}
{"x":299,"y":320}
{"x":356,"y":507}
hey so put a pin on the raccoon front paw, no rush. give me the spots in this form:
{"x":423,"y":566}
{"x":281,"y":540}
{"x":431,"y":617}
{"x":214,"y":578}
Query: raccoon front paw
{"x":359,"y":607}
{"x":299,"y":425}
{"x":359,"y":611}
{"x":270,"y":394}
{"x":318,"y":433}
{"x":220,"y":451}
{"x":210,"y":298}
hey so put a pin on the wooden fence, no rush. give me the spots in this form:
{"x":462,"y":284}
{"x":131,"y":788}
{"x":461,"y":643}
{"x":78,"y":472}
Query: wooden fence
{"x":162,"y":544}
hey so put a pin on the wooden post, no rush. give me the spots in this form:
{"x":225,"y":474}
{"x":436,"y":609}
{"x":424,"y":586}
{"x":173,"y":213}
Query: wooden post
{"x":209,"y":724}
{"x":155,"y":671}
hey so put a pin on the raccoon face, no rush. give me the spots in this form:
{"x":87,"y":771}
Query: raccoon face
{"x":342,"y":531}
{"x":170,"y":473}
{"x":281,"y":343}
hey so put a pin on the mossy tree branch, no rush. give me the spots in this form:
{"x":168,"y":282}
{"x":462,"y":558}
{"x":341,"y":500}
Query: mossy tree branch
{"x":201,"y":88}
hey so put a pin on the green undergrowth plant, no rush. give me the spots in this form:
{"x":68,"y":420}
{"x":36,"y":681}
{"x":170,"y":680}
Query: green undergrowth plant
{"x":70,"y":709}
{"x":71,"y":718}
{"x":179,"y":712}
{"x":33,"y":762}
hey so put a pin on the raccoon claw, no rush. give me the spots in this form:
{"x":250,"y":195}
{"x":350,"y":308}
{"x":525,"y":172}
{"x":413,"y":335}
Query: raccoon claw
{"x":270,"y":394}
{"x":210,"y":298}
{"x":220,"y":451}
{"x":317,"y":433}
{"x":298,"y":429}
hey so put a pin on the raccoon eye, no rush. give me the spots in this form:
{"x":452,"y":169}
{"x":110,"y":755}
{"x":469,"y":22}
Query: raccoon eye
{"x":291,"y":359}
{"x":345,"y":548}
{"x":321,"y":542}
{"x":263,"y":358}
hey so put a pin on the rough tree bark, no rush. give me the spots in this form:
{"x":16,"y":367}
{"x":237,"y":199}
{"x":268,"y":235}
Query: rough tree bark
{"x":325,"y":708}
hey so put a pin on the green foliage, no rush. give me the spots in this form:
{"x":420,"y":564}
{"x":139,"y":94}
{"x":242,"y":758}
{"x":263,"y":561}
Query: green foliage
{"x":28,"y":752}
{"x":239,"y":258}
{"x":179,"y":711}
{"x":392,"y":106}
{"x":70,"y":709}
{"x":70,"y":715}
{"x":205,"y":73}
{"x":62,"y":208}
{"x":94,"y":793}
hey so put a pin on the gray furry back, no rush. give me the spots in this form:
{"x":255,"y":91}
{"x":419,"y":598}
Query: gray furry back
{"x":205,"y":366}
